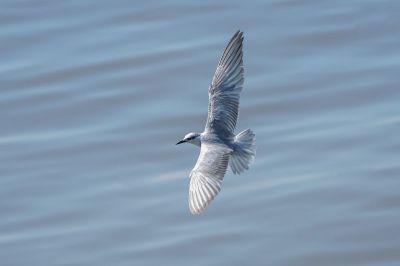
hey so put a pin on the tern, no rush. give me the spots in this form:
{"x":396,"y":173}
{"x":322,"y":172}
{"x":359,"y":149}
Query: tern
{"x":218,"y":143}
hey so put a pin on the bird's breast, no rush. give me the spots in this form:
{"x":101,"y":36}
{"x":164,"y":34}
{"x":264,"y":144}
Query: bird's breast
{"x":212,"y":138}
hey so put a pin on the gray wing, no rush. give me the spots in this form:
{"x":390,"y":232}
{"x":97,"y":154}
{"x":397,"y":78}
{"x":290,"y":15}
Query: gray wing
{"x":206,"y":176}
{"x":225,"y":88}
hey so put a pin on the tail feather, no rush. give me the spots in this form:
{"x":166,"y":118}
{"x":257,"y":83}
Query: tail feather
{"x":244,"y":151}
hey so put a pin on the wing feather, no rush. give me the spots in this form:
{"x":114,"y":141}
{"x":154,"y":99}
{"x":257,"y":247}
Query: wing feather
{"x":225,"y":88}
{"x":207,"y":175}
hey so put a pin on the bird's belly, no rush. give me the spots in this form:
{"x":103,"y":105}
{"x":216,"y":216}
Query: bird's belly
{"x":215,"y":139}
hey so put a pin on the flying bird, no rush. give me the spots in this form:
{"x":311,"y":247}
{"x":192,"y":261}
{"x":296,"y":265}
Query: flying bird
{"x":218,"y":143}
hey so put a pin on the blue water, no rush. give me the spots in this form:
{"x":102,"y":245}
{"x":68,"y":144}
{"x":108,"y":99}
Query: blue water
{"x":94,"y":95}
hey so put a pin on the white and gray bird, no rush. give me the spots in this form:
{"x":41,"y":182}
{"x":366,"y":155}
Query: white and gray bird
{"x":218,"y":143}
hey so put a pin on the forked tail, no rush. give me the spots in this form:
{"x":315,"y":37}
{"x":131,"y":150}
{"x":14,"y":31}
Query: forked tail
{"x":244,"y":151}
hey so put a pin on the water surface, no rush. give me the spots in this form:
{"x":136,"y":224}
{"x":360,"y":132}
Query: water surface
{"x":94,"y":95}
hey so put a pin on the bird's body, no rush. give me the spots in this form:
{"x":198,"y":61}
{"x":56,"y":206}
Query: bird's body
{"x":218,"y":143}
{"x":213,"y":138}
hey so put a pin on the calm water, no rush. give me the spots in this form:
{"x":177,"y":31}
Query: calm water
{"x":94,"y":95}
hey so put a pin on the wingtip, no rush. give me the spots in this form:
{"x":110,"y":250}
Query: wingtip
{"x":234,"y":45}
{"x":195,"y":213}
{"x":238,"y":34}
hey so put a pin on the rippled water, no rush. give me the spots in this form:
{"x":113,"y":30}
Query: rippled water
{"x":94,"y":95}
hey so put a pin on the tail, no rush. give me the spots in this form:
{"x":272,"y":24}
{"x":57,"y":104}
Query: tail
{"x":244,"y":151}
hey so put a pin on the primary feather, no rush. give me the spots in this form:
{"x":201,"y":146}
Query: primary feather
{"x":207,"y":175}
{"x":225,"y":88}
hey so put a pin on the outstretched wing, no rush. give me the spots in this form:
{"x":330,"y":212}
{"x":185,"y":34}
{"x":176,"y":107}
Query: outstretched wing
{"x":225,"y":88}
{"x":206,"y":176}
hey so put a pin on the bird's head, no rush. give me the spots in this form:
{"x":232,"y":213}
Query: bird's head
{"x":192,"y":137}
